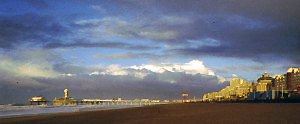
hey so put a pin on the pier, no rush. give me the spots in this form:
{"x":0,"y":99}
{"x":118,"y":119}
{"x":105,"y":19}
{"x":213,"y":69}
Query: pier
{"x":69,"y":101}
{"x":121,"y":102}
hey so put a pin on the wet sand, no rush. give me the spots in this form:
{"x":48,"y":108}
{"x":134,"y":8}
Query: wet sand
{"x":190,"y":113}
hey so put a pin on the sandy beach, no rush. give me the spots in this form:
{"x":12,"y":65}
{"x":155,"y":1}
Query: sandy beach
{"x":190,"y":113}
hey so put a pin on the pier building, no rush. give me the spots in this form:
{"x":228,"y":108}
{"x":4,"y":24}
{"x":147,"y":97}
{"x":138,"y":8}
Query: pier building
{"x":66,"y":100}
{"x":38,"y":100}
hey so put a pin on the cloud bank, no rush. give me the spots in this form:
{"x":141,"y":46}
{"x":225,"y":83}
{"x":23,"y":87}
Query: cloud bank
{"x":32,"y":72}
{"x":262,"y":31}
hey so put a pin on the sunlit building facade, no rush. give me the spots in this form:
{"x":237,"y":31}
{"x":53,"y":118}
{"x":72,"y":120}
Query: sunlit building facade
{"x":238,"y":89}
{"x":280,"y":83}
{"x":293,"y":79}
{"x":264,"y":83}
{"x":281,"y":86}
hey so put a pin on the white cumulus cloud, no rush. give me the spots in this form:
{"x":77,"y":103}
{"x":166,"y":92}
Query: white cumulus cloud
{"x":193,"y":67}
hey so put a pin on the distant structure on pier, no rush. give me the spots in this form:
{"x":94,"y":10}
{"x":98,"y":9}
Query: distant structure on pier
{"x":66,"y":100}
{"x":185,"y":96}
{"x":38,"y":100}
{"x":66,"y":91}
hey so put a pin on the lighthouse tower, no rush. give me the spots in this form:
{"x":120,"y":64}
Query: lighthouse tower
{"x":66,"y":91}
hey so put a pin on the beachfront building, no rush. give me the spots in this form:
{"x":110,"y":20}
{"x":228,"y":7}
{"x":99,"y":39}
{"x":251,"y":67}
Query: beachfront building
{"x":238,"y":89}
{"x":280,"y":85}
{"x":284,"y":86}
{"x":280,"y":82}
{"x":225,"y":92}
{"x":205,"y":97}
{"x":241,"y":87}
{"x":293,"y":79}
{"x":244,"y":89}
{"x":264,"y":83}
{"x":289,"y":82}
{"x":210,"y":96}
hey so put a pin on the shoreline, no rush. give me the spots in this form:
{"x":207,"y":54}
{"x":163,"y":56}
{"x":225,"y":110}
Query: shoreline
{"x":87,"y":109}
{"x":175,"y":114}
{"x":53,"y":113}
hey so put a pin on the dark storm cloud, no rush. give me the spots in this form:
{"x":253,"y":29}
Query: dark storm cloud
{"x":46,"y":32}
{"x":67,"y":68}
{"x":243,"y":29}
{"x":248,"y":68}
{"x":120,"y":45}
{"x":40,"y":4}
{"x":150,"y":56}
{"x":257,"y":8}
{"x":132,"y":56}
{"x":259,"y":30}
{"x":18,"y":30}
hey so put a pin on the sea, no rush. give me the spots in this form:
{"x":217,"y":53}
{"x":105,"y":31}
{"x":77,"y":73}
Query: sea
{"x":9,"y":110}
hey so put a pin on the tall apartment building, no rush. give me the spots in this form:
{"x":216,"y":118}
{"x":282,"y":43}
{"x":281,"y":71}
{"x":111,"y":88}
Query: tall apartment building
{"x":241,"y":87}
{"x":264,"y":83}
{"x":280,"y":83}
{"x":238,"y":89}
{"x":293,"y":79}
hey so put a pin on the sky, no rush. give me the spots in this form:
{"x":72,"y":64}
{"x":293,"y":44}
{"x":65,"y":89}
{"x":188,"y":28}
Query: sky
{"x":131,"y":49}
